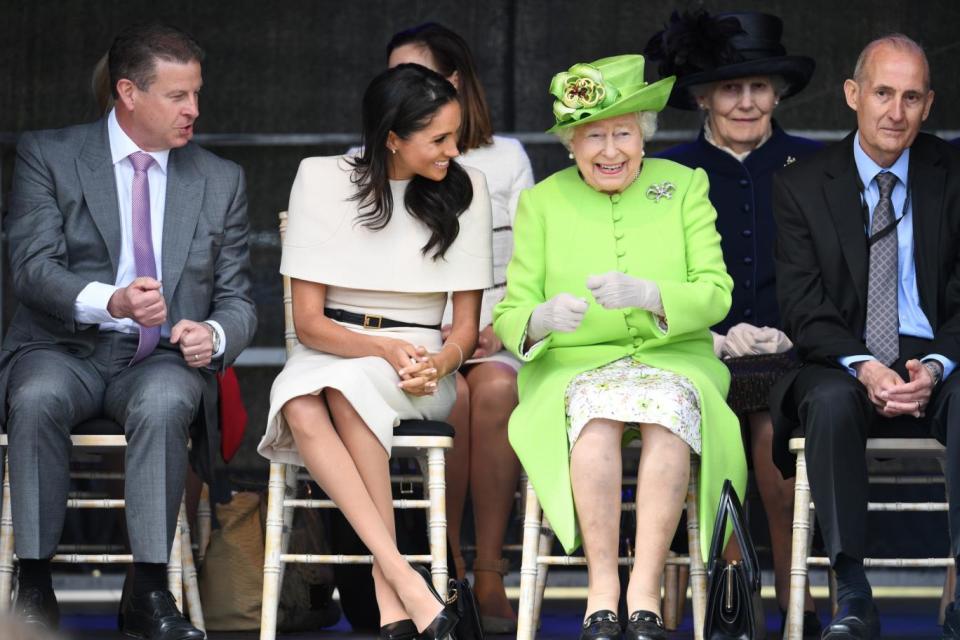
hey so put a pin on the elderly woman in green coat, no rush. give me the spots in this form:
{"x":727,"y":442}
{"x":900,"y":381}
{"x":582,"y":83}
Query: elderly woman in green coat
{"x":615,"y":280}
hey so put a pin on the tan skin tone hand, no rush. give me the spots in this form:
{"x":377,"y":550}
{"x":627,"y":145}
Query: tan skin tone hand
{"x":418,"y":370}
{"x":890,"y":394}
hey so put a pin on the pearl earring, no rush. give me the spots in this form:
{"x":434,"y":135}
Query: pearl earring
{"x":642,"y":153}
{"x":570,"y":155}
{"x":393,"y":151}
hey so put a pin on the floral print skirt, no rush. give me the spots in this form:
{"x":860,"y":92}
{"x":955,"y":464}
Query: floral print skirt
{"x":631,"y":392}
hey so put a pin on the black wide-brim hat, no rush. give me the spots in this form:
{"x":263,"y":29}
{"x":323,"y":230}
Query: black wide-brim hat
{"x":700,"y":49}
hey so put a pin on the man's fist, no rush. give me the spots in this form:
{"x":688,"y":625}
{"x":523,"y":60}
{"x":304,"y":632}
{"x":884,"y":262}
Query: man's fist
{"x":141,"y":301}
{"x":195,"y":340}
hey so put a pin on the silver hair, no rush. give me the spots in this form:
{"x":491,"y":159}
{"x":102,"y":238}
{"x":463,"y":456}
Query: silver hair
{"x":647,"y":120}
{"x":898,"y":41}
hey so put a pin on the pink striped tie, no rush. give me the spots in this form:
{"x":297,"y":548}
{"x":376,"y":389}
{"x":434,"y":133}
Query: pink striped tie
{"x":143,"y":257}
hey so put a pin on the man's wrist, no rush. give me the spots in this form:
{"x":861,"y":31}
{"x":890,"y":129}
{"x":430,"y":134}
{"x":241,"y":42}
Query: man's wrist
{"x":935,"y":368}
{"x":214,"y":336}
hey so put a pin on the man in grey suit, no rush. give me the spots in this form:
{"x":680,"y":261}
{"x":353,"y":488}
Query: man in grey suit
{"x":128,"y":254}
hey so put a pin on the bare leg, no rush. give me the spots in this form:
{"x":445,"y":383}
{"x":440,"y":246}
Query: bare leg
{"x":331,"y":465}
{"x":596,"y":475}
{"x":777,"y":496}
{"x":495,"y":472}
{"x":662,"y":479}
{"x":458,"y":470}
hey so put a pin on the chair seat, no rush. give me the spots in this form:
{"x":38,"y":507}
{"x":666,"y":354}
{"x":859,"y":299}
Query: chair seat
{"x":423,"y":428}
{"x":892,"y":447}
{"x":97,"y":427}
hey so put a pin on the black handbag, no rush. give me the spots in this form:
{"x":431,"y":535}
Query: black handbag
{"x":734,"y":608}
{"x":460,"y":596}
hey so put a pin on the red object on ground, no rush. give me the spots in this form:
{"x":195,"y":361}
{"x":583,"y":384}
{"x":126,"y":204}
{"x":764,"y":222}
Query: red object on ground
{"x":233,"y":415}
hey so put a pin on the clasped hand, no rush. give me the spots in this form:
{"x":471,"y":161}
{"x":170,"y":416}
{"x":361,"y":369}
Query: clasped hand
{"x":890,"y":394}
{"x":415,"y":366}
{"x":616,"y":290}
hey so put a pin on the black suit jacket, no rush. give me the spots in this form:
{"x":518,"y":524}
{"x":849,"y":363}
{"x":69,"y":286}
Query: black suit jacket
{"x":822,"y":258}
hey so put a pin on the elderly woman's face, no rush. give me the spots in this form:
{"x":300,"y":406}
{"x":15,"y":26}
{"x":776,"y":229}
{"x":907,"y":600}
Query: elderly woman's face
{"x":609,"y":152}
{"x":739,"y":111}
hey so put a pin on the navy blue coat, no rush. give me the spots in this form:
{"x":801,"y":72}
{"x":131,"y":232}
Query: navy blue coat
{"x":742,"y":195}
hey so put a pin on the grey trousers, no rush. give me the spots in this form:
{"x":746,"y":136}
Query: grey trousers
{"x":50,"y":392}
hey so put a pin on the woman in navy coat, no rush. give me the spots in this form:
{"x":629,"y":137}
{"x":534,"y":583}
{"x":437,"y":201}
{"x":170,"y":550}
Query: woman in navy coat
{"x":733,"y":68}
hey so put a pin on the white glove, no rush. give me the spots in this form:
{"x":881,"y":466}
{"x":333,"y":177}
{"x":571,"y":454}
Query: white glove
{"x":747,"y":340}
{"x":563,"y":313}
{"x":718,"y":341}
{"x":615,"y":290}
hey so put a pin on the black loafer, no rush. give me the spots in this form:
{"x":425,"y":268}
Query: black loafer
{"x":811,"y":624}
{"x":601,"y":625}
{"x":443,"y":625}
{"x":951,"y":622}
{"x":399,"y":630}
{"x":154,"y":616}
{"x":37,"y":608}
{"x":857,"y":619}
{"x":645,"y":625}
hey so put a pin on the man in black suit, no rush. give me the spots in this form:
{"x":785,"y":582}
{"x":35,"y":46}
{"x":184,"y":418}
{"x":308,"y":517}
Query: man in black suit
{"x":868,"y":281}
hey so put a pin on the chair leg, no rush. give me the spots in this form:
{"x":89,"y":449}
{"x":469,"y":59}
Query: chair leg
{"x":526,"y":624}
{"x":949,"y":588}
{"x":204,"y":518}
{"x":698,"y":573}
{"x":543,"y":549}
{"x":437,"y":524}
{"x":175,"y":564}
{"x":801,"y":547}
{"x":190,"y":586}
{"x":272,"y":549}
{"x":671,"y":579}
{"x":6,"y":542}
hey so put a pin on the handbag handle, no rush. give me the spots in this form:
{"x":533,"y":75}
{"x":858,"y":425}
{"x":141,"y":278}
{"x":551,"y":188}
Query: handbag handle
{"x":730,"y":507}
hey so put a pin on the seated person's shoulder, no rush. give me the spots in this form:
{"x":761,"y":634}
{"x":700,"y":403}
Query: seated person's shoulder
{"x":664,"y":170}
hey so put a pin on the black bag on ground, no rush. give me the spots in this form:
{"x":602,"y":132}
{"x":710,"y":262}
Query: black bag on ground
{"x":734,"y":608}
{"x":460,"y":595}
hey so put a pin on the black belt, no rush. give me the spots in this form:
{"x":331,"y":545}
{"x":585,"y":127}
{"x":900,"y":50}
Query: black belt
{"x":372,"y":322}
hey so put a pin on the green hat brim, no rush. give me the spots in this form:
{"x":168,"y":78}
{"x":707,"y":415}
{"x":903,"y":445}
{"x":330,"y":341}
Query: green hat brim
{"x":651,"y":97}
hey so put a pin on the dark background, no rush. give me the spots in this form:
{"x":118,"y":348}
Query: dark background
{"x":300,"y":67}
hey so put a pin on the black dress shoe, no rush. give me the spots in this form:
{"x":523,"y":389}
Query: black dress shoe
{"x":445,"y":622}
{"x":37,"y":608}
{"x":601,"y":625}
{"x":857,"y":619}
{"x":154,"y":616}
{"x":811,"y":624}
{"x":645,"y":625}
{"x":951,"y":622}
{"x":399,"y":630}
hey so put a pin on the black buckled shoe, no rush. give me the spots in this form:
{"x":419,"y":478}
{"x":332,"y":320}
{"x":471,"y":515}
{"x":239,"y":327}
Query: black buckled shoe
{"x":399,"y":630}
{"x":645,"y":625}
{"x":857,"y":619}
{"x":154,"y":616}
{"x":951,"y":622}
{"x":37,"y":608}
{"x":601,"y":625}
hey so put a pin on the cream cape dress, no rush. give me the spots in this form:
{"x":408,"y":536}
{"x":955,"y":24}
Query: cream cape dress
{"x":377,"y":273}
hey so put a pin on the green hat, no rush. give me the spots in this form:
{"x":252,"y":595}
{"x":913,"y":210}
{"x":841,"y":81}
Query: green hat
{"x":606,"y":88}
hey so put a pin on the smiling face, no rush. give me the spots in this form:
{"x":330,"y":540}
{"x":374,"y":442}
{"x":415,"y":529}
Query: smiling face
{"x":609,"y":152}
{"x":739,"y":111}
{"x":162,"y":115}
{"x":892,"y":99}
{"x":426,"y":152}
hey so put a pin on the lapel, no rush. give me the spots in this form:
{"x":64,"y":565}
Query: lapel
{"x":185,"y":186}
{"x":99,"y":186}
{"x":843,"y":200}
{"x":927,"y":178}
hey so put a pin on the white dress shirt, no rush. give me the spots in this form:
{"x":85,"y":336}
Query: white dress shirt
{"x":90,"y":306}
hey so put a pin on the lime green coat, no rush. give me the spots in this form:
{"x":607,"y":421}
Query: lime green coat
{"x":565,"y":231}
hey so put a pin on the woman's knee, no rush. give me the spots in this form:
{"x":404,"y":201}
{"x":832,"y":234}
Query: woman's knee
{"x":301,"y":412}
{"x":496,"y":388}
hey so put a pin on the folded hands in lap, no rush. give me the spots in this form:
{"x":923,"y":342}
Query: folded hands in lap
{"x":890,"y":394}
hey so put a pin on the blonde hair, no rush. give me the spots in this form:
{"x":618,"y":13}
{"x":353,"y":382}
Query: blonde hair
{"x":646,"y":120}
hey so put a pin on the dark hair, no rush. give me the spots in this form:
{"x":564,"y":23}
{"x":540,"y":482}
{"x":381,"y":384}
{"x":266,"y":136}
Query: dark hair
{"x":135,"y":51}
{"x":404,"y":100}
{"x":451,"y":53}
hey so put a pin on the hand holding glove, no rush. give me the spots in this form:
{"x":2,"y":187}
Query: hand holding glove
{"x":616,"y":290}
{"x":747,"y":340}
{"x":563,"y":313}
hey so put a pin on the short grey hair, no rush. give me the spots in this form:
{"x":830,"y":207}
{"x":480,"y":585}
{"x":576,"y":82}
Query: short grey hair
{"x":898,"y":41}
{"x":647,"y":121}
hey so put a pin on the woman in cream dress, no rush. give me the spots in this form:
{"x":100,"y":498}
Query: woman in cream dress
{"x":373,"y":246}
{"x":482,"y":460}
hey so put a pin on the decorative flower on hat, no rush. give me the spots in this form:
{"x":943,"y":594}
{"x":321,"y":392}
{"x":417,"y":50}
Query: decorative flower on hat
{"x":580,"y":92}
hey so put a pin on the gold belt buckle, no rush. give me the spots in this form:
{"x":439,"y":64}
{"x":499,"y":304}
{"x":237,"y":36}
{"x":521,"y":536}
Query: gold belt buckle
{"x":368,"y":322}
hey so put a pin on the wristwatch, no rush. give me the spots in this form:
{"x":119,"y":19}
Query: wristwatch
{"x":216,"y":337}
{"x":936,"y":370}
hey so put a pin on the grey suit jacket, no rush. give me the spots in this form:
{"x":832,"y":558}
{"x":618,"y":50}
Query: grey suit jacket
{"x":63,"y":229}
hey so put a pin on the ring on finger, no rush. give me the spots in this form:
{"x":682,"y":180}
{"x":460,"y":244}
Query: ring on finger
{"x":196,"y":358}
